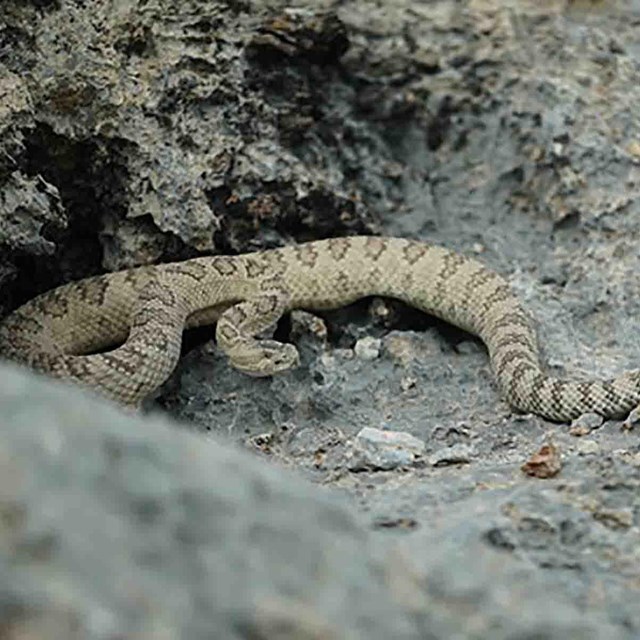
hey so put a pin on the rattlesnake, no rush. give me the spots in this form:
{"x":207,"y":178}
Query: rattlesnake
{"x":146,"y":309}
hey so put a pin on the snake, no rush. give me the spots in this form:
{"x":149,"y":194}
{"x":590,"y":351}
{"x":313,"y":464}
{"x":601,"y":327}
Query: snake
{"x":120,"y":334}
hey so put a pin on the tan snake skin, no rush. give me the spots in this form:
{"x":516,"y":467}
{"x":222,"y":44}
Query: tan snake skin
{"x":145,"y":310}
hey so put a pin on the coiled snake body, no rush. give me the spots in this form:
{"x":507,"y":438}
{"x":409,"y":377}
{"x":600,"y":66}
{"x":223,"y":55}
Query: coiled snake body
{"x":145,"y":311}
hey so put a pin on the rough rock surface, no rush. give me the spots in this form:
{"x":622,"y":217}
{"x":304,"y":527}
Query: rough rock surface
{"x":134,"y":132}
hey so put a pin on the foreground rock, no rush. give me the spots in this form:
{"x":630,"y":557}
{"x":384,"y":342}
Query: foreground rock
{"x":118,"y":527}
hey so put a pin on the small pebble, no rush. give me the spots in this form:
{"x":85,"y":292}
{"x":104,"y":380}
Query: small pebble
{"x":305,"y":323}
{"x":633,"y":419}
{"x":401,"y":347}
{"x":379,"y":449}
{"x":468,"y":347}
{"x":368,"y":348}
{"x":545,"y":463}
{"x":456,"y":454}
{"x":585,"y":424}
{"x":615,"y":519}
{"x":588,"y":447}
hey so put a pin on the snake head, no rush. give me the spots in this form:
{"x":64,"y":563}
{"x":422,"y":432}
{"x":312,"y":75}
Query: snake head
{"x":264,"y":358}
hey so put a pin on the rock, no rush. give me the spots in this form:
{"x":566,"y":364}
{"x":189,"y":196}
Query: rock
{"x":588,"y":447}
{"x":105,"y":512}
{"x":455,"y":454}
{"x":632,"y":420}
{"x":368,"y":348}
{"x":585,"y":424}
{"x":544,"y":463}
{"x":379,"y":449}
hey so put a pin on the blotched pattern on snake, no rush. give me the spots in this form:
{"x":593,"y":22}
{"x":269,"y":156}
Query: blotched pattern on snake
{"x":145,"y":310}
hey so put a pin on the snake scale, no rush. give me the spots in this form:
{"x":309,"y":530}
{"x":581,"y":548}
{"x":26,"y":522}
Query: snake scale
{"x":143,"y":311}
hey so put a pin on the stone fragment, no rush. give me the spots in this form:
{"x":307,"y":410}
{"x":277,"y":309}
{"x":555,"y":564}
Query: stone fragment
{"x":455,"y":454}
{"x":383,"y":450}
